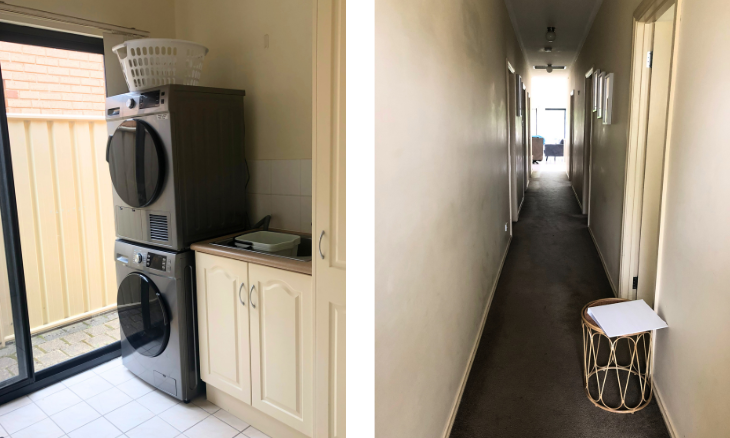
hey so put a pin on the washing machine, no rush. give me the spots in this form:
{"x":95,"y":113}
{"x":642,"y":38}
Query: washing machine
{"x":155,"y":302}
{"x":177,"y":164}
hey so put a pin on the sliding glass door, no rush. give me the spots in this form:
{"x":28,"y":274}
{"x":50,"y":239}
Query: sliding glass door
{"x":57,"y":277}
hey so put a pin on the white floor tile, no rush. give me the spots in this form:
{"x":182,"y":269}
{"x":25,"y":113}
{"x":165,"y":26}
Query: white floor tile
{"x":183,"y":417}
{"x":15,"y":404}
{"x":157,"y":402}
{"x":109,"y":400}
{"x":79,"y":378}
{"x":205,"y":405}
{"x":99,"y":428}
{"x":58,"y":401}
{"x":211,"y":427}
{"x":153,"y":428}
{"x":232,"y":420}
{"x":3,"y":433}
{"x":74,"y":417}
{"x":42,"y":429}
{"x":114,"y":363}
{"x":45,"y":392}
{"x":91,"y":387}
{"x":21,"y":418}
{"x":252,"y":432}
{"x":135,"y":388}
{"x":129,"y":416}
{"x":117,"y":375}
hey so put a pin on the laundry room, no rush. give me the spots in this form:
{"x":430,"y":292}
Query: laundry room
{"x":159,"y":219}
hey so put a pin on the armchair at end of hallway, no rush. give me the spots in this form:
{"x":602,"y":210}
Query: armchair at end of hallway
{"x":537,"y":149}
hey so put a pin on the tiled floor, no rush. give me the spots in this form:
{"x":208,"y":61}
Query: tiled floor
{"x":60,"y":344}
{"x":108,"y":402}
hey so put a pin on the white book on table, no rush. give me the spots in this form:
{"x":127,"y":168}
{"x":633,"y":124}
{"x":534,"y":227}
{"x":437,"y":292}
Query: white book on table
{"x":626,"y":318}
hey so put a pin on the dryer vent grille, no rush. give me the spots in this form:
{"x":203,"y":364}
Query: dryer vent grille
{"x":158,"y":227}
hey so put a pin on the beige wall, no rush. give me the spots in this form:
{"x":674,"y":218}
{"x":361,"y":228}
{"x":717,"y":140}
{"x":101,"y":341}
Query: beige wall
{"x":693,"y":292}
{"x":277,"y":79}
{"x":441,"y":199}
{"x":608,"y":48}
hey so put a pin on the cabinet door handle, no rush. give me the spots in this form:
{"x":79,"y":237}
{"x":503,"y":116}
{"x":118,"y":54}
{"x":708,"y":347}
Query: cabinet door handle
{"x":320,"y":245}
{"x":250,"y":299}
{"x":239,"y":293}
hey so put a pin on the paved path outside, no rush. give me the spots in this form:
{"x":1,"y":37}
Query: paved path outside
{"x":61,"y":344}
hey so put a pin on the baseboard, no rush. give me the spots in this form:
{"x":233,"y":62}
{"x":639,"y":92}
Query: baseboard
{"x":457,"y":401}
{"x":580,"y":204}
{"x":603,"y":262}
{"x":665,"y":414}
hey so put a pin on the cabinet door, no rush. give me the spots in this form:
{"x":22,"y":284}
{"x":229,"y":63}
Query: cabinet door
{"x":329,"y":219}
{"x":223,"y":324}
{"x":282,"y":323}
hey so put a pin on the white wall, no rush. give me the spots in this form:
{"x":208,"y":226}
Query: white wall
{"x":693,"y":290}
{"x":441,"y":199}
{"x":608,"y":48}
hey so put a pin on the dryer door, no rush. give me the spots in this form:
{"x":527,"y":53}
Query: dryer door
{"x":142,"y":315}
{"x":136,"y":163}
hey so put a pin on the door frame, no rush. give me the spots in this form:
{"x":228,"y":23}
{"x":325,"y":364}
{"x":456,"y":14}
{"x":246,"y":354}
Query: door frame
{"x":643,"y":39}
{"x":10,"y":227}
{"x":587,"y":145}
{"x":509,"y":70}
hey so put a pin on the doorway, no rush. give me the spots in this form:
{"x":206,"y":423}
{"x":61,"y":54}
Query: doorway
{"x":57,"y":291}
{"x":653,"y":47}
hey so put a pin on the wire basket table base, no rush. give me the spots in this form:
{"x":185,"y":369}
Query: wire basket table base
{"x":617,"y":371}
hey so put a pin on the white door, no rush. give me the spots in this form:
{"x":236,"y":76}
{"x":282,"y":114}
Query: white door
{"x":223,"y":324}
{"x":329,"y":214}
{"x":282,"y":345}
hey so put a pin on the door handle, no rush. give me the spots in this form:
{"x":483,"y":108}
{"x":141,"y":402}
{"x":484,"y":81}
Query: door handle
{"x":239,"y":293}
{"x":320,"y":245}
{"x":250,"y":299}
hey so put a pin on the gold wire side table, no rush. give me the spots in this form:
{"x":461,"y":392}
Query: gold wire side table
{"x":617,"y":370}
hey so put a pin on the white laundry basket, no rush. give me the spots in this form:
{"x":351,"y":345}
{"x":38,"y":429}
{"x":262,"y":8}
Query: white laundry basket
{"x":151,"y":62}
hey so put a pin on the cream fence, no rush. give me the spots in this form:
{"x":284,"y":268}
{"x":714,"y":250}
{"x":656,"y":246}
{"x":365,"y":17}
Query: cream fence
{"x":65,"y":209}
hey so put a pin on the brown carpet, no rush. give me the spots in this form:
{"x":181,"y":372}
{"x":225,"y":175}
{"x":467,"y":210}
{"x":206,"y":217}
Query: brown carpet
{"x":526,"y":380}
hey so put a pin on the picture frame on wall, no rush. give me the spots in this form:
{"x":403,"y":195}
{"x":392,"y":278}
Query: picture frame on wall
{"x":599,"y":95}
{"x":607,"y":98}
{"x":595,"y":90}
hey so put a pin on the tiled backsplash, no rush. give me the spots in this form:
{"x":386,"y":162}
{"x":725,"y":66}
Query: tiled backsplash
{"x":283,"y":189}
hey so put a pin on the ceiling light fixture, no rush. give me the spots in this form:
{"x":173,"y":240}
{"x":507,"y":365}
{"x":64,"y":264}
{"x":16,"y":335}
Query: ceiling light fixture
{"x":549,"y":68}
{"x":550,"y":35}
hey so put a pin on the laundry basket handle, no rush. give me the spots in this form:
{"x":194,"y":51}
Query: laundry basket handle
{"x":119,"y":47}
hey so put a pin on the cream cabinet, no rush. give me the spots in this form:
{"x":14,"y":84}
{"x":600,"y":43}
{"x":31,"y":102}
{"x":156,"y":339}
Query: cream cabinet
{"x":329,"y":214}
{"x":256,"y":338}
{"x":282,"y":346}
{"x":223,"y":324}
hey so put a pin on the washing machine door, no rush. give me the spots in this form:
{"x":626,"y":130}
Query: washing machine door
{"x":142,"y":315}
{"x":136,"y":163}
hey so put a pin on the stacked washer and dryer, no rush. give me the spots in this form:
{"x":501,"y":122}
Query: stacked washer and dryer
{"x":176,"y":160}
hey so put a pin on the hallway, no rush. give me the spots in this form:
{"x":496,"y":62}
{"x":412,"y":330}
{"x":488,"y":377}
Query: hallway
{"x":526,"y":379}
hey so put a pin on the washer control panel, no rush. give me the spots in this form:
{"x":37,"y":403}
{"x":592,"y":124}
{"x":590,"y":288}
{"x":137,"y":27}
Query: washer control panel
{"x":156,"y":261}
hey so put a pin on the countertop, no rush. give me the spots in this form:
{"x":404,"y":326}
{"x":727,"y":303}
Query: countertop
{"x":207,"y":247}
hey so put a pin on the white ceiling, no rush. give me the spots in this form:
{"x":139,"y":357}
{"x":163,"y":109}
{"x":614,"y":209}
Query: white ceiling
{"x":572,"y":20}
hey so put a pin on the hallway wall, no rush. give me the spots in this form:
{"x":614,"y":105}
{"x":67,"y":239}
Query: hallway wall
{"x":441,"y":199}
{"x":693,"y":296}
{"x":608,"y":48}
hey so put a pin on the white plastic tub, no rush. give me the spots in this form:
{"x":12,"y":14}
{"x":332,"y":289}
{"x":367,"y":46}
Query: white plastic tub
{"x":270,"y":242}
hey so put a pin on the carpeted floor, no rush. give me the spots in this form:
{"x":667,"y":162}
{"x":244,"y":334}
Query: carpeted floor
{"x":526,"y":380}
